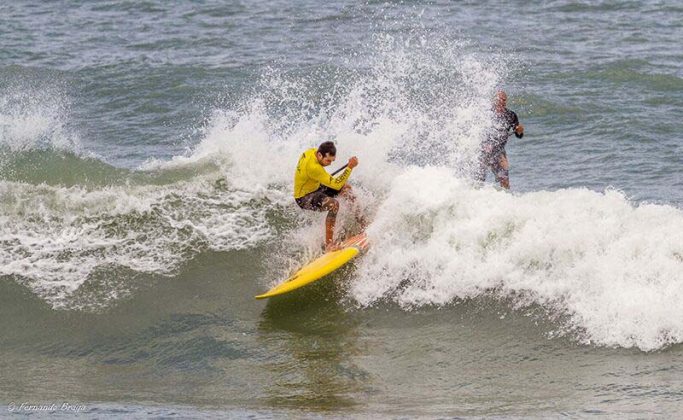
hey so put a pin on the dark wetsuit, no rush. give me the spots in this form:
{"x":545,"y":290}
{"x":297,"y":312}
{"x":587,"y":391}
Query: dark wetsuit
{"x":493,"y":148}
{"x":314,"y":200}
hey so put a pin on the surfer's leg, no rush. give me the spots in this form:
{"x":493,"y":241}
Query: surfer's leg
{"x":347,"y":192}
{"x":502,"y":172}
{"x":320,"y":201}
{"x":332,"y":207}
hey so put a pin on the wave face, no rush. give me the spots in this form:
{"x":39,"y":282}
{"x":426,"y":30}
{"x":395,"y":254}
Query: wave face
{"x":414,"y":110}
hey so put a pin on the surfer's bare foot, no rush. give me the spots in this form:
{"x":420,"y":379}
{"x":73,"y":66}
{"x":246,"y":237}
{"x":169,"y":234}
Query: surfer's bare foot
{"x":332,"y":247}
{"x":343,"y":233}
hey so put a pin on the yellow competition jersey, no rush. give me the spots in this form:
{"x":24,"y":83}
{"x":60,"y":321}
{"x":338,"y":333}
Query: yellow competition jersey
{"x":310,"y":174}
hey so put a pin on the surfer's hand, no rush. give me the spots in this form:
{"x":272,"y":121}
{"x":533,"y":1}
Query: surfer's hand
{"x":353,"y":162}
{"x":519,"y":129}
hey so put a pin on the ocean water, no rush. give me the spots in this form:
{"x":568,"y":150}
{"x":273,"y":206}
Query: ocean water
{"x":146,"y":158}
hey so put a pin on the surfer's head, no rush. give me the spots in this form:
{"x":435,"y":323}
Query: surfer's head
{"x":326,"y":153}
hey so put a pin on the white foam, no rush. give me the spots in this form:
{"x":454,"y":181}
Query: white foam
{"x":426,"y":101}
{"x":614,"y":267}
{"x":55,"y":238}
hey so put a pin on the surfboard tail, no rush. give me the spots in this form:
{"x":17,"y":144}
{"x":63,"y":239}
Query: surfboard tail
{"x":320,"y":267}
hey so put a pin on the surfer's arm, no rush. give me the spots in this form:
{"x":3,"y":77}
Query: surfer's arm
{"x":328,"y":180}
{"x":519,"y":128}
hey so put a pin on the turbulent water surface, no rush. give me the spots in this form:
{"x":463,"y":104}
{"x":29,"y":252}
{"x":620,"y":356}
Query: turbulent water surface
{"x":146,"y":159}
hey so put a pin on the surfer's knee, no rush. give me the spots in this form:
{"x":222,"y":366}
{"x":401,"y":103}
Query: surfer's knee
{"x":501,"y":170}
{"x":503,"y":176}
{"x":332,"y":207}
{"x":503,"y":163}
{"x":345,"y":191}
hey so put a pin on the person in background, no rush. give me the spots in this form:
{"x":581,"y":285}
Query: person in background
{"x":493,"y":154}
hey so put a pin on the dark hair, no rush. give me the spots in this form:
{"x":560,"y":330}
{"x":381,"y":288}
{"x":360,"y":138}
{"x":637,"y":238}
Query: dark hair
{"x":327,"y":148}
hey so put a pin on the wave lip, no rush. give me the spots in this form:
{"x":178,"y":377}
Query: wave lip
{"x":613,"y":270}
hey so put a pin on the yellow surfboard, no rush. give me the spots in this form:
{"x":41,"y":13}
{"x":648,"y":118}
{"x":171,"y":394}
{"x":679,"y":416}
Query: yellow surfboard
{"x":321,"y":266}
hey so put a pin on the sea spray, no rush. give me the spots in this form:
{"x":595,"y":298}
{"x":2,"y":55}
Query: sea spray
{"x":35,"y":116}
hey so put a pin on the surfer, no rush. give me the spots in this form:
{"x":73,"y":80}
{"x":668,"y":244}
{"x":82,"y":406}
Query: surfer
{"x":492,"y":155}
{"x":315,"y":189}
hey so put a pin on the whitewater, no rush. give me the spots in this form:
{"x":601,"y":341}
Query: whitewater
{"x":606,"y":268}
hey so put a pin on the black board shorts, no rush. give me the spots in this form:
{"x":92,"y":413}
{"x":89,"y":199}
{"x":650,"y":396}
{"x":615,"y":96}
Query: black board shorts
{"x":314,"y":200}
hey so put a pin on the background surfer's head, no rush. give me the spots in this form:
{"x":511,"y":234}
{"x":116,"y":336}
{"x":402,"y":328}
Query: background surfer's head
{"x":326,"y":153}
{"x":500,"y":100}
